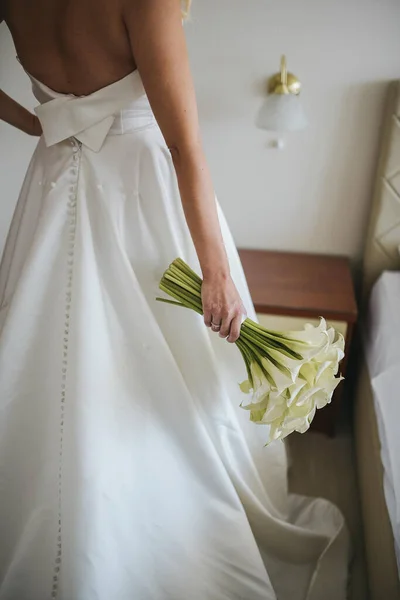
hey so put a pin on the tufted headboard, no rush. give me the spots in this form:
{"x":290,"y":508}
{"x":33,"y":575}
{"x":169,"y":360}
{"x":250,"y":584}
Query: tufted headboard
{"x":382,"y":251}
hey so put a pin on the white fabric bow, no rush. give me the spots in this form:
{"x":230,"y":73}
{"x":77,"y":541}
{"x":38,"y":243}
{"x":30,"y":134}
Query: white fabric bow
{"x":87,"y":118}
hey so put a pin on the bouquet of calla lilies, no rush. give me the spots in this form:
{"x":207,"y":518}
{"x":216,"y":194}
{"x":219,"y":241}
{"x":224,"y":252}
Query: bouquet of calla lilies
{"x":290,"y":374}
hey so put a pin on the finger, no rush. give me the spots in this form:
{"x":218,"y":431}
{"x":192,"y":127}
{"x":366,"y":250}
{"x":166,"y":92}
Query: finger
{"x":225,"y":326}
{"x":234,"y":332}
{"x":207,"y":316}
{"x":215,"y":323}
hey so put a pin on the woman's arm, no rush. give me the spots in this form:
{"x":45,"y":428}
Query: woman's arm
{"x":13,"y":113}
{"x":159,"y":49}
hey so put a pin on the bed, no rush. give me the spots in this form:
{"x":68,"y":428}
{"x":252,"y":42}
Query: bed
{"x":377,"y":405}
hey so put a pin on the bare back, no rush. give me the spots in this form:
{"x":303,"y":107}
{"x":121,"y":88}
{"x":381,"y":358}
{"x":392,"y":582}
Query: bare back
{"x":73,"y":46}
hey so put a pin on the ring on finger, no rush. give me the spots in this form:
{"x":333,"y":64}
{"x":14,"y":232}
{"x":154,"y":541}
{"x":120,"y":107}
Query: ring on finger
{"x":215,"y":326}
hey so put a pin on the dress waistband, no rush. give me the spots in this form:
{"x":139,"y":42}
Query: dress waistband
{"x":133,"y":118}
{"x":89,"y":118}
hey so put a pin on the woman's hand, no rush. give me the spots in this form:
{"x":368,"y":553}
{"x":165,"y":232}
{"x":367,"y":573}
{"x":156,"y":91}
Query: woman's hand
{"x":222,"y":306}
{"x":35,"y":127}
{"x":18,"y":116}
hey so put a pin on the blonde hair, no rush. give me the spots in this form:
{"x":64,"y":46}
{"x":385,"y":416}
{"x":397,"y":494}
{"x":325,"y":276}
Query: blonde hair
{"x":186,"y":8}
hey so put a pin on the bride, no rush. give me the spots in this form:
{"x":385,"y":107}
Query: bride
{"x":127,"y":470}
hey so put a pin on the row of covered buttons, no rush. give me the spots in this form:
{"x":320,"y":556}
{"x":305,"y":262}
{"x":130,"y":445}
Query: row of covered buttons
{"x":71,"y":211}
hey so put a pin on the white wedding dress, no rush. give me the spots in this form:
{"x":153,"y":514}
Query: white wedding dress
{"x":127,"y":469}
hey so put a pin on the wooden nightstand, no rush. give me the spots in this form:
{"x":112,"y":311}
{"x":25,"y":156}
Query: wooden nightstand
{"x":289,"y":289}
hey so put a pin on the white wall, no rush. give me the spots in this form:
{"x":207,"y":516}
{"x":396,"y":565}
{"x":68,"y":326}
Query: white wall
{"x":312,"y":196}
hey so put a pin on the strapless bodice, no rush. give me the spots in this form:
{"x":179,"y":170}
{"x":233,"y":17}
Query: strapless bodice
{"x":115,"y":109}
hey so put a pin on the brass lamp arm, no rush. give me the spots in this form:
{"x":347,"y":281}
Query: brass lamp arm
{"x":284,"y":82}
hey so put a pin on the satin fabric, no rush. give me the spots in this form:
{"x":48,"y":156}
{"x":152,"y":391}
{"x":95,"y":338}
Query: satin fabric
{"x":127,"y":468}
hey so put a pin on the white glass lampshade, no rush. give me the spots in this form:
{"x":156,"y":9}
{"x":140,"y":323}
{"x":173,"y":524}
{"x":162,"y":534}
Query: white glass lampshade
{"x":281,"y":112}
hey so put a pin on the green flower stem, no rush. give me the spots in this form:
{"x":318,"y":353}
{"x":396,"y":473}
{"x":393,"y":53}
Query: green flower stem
{"x":255,"y":341}
{"x":270,"y":333}
{"x":176,"y":270}
{"x":256,"y":336}
{"x":256,"y":357}
{"x":246,"y":361}
{"x":184,"y":267}
{"x":247,"y":352}
{"x":265,"y":345}
{"x":253,"y":352}
{"x":263,"y":331}
{"x":180,"y":294}
{"x":248,"y":358}
{"x":170,"y":302}
{"x":179,"y":277}
{"x":263,"y":335}
{"x":182,"y":284}
{"x":180,"y":304}
{"x":184,"y":300}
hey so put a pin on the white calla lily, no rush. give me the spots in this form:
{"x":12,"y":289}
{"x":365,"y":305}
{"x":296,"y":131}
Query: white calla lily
{"x":286,"y":392}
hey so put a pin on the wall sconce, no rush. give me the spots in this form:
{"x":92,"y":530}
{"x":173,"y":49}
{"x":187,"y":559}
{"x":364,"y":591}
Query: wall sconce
{"x":282,"y":109}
